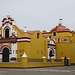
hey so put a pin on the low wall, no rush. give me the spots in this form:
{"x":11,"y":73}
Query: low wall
{"x":9,"y":64}
{"x":31,"y":64}
{"x":25,"y":64}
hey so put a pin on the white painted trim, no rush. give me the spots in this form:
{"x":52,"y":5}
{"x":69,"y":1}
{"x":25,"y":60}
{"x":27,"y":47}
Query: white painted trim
{"x":24,"y":55}
{"x":62,"y":57}
{"x":5,"y":47}
{"x":10,"y":30}
{"x":43,"y":57}
{"x":25,"y":30}
{"x":49,"y":49}
{"x":23,"y":39}
{"x":14,"y":47}
{"x":52,"y":57}
{"x":0,"y":58}
{"x":68,"y":58}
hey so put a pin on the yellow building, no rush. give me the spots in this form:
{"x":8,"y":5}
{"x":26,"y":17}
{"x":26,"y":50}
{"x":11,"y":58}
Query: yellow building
{"x":64,"y":41}
{"x":14,"y":42}
{"x":66,"y":50}
{"x":60,"y":33}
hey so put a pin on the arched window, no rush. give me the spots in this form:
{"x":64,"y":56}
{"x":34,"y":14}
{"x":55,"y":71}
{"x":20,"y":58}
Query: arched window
{"x":7,"y":33}
{"x":38,"y":35}
{"x":54,"y":33}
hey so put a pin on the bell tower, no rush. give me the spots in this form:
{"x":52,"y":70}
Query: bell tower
{"x":7,"y":26}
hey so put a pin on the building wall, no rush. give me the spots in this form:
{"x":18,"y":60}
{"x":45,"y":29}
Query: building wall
{"x":36,"y":48}
{"x":72,"y":38}
{"x":21,"y":48}
{"x":61,"y":35}
{"x":65,"y":49}
{"x":72,"y":53}
{"x":19,"y":34}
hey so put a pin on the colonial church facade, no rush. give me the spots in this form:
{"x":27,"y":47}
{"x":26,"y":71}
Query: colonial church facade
{"x":8,"y":43}
{"x":64,"y":39}
{"x":14,"y":42}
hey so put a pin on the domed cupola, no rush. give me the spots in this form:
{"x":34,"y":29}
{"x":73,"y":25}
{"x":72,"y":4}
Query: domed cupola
{"x":59,"y":28}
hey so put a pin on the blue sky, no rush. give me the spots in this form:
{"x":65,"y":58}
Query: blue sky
{"x":39,"y":14}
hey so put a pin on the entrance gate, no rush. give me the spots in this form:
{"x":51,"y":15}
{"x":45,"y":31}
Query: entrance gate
{"x":5,"y":55}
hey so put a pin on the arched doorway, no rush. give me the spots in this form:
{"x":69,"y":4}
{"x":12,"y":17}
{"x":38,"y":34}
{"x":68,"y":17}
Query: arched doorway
{"x":7,"y":33}
{"x":51,"y":53}
{"x":5,"y":55}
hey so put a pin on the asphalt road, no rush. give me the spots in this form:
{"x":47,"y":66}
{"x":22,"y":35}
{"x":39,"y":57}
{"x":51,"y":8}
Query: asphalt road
{"x":67,"y":70}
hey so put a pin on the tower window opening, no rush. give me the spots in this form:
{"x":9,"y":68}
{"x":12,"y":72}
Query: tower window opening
{"x":7,"y":33}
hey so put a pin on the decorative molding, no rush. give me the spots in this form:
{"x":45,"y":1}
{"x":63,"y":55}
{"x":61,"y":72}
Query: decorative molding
{"x":14,"y":40}
{"x":13,"y":58}
{"x":5,"y":46}
{"x":23,"y":40}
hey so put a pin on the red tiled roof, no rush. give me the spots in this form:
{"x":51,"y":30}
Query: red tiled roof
{"x":60,"y":29}
{"x":29,"y":32}
{"x":45,"y":35}
{"x":21,"y":30}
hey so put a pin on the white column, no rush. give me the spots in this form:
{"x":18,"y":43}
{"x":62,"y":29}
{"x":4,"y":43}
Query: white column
{"x":15,"y":48}
{"x":11,"y":31}
{"x":48,"y":53}
{"x":54,"y":54}
{"x":12,"y":49}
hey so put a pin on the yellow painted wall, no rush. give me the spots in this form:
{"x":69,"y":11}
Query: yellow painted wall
{"x":36,"y":48}
{"x":62,"y":50}
{"x":19,"y":34}
{"x":72,"y":38}
{"x":65,"y":49}
{"x":23,"y":47}
{"x":62,"y":35}
{"x":73,"y":53}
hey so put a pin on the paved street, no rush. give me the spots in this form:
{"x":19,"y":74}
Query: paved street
{"x":66,"y":70}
